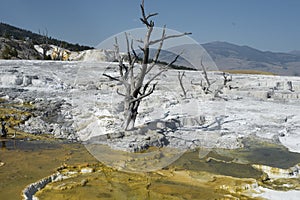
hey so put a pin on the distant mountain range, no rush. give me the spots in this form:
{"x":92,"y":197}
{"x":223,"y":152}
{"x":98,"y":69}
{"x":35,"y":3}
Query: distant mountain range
{"x":227,"y":56}
{"x":295,"y":52}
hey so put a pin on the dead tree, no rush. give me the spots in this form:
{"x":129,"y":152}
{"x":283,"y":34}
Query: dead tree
{"x":138,"y":84}
{"x":45,"y":44}
{"x":290,"y":86}
{"x":180,"y":77}
{"x":206,"y":84}
{"x":227,"y":78}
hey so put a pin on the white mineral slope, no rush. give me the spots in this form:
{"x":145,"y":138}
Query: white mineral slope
{"x":277,"y":195}
{"x":255,"y":106}
{"x":93,"y":55}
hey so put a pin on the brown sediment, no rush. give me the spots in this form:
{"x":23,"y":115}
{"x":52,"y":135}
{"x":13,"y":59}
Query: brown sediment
{"x":248,"y":72}
{"x":28,"y":161}
{"x":187,"y":178}
{"x":107,"y":183}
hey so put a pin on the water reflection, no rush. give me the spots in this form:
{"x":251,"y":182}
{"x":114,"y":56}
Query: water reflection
{"x":3,"y":145}
{"x":26,"y":144}
{"x":9,"y":144}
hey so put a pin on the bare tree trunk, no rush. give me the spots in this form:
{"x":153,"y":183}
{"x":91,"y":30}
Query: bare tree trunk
{"x":205,"y":88}
{"x":135,"y":87}
{"x":180,"y":77}
{"x":131,"y":113}
{"x":290,"y":86}
{"x":45,"y":46}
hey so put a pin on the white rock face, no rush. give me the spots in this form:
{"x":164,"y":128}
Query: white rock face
{"x":277,"y":195}
{"x":93,"y":55}
{"x":253,"y":106}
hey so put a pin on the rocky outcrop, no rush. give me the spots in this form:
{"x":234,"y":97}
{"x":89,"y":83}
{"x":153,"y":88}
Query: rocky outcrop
{"x":17,"y":49}
{"x":30,"y":190}
{"x":278,"y":173}
{"x":93,"y":55}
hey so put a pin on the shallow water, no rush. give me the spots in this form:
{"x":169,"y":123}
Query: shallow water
{"x":28,"y":161}
{"x":189,"y":177}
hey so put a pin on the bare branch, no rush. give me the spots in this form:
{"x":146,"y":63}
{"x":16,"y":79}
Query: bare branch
{"x":112,"y":78}
{"x":143,"y":9}
{"x":133,"y":51}
{"x":122,"y":66}
{"x":128,"y":49}
{"x":160,"y":44}
{"x":145,"y":61}
{"x":158,"y":50}
{"x":205,"y":74}
{"x":144,"y":95}
{"x":290,"y":86}
{"x":119,"y":93}
{"x":163,"y":70}
{"x":168,"y":37}
{"x":151,"y":67}
{"x":204,"y":87}
{"x":180,"y":77}
{"x":139,"y":41}
{"x":141,"y":48}
{"x":175,"y":59}
{"x":117,"y":50}
{"x":145,"y":18}
{"x":151,"y":15}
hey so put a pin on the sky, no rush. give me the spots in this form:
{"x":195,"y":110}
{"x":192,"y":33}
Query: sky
{"x":268,"y":25}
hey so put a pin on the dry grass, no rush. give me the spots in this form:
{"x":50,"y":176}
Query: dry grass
{"x":249,"y":72}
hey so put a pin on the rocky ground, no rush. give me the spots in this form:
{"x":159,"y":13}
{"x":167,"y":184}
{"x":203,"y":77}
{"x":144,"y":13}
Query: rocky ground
{"x":74,"y":100}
